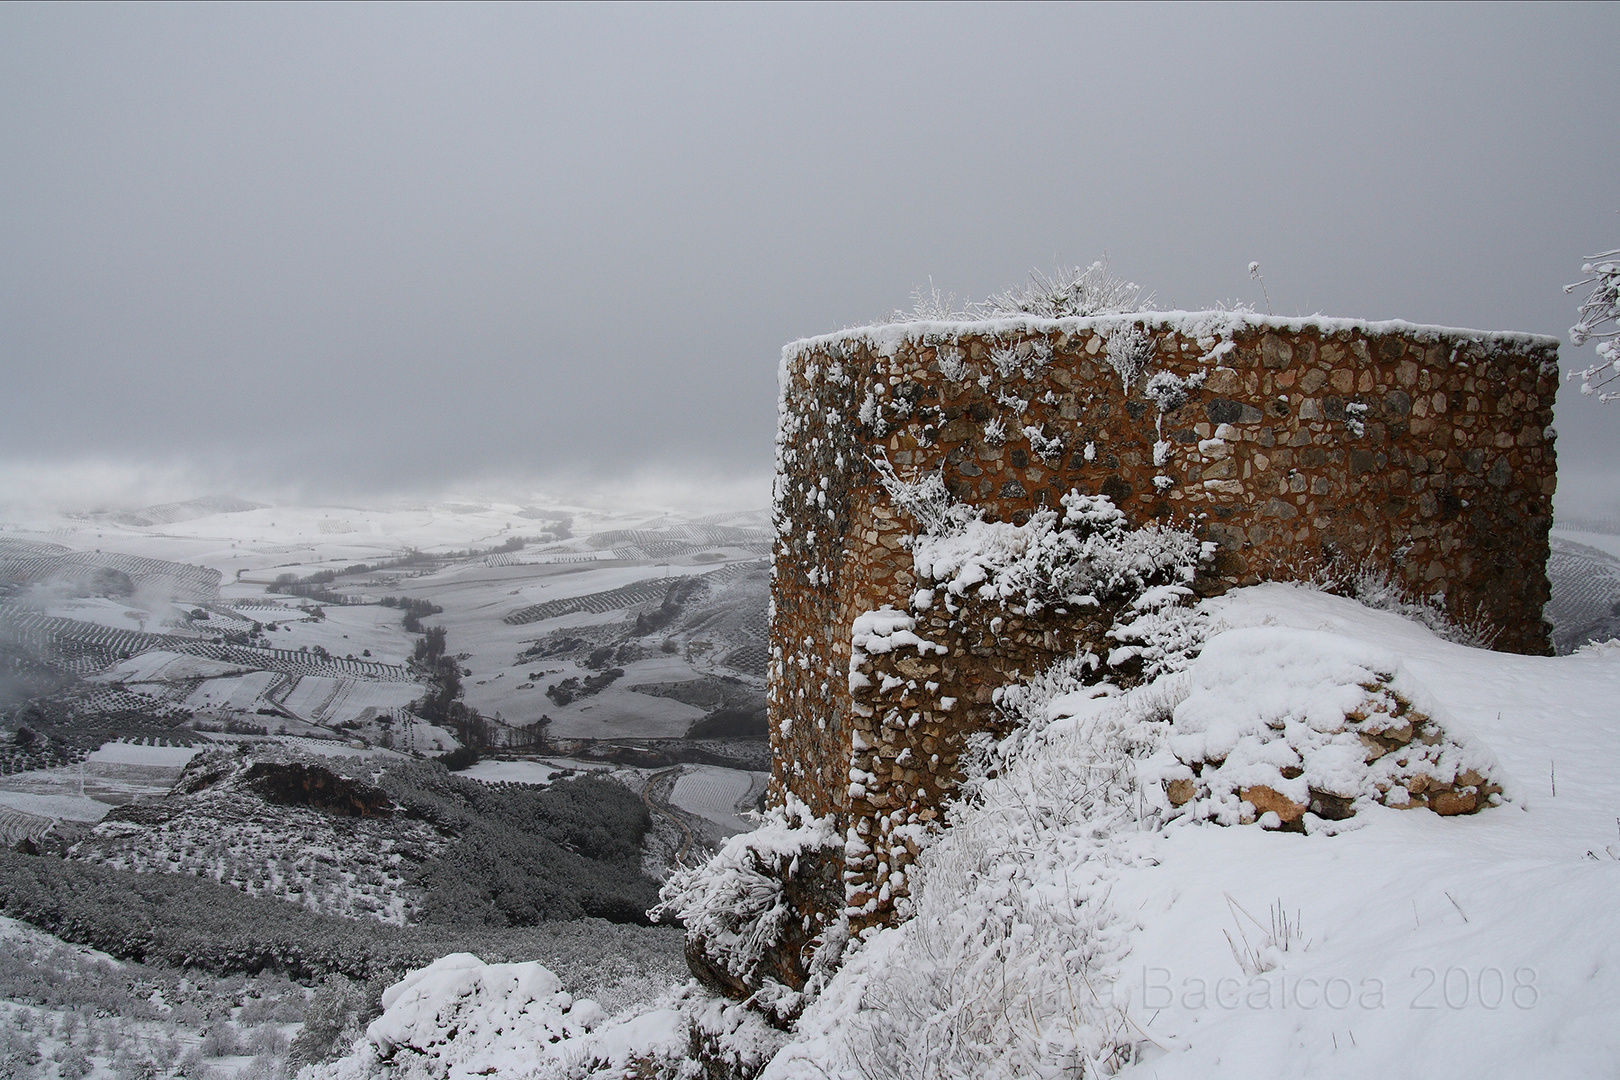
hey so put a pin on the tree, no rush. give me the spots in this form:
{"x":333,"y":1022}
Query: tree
{"x":1600,"y":319}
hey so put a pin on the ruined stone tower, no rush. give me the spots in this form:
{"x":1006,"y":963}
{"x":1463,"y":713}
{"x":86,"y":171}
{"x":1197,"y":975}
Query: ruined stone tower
{"x":1286,"y":445}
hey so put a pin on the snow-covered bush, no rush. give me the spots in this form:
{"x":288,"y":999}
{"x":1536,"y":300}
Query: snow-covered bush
{"x":1372,"y":586}
{"x":738,"y":904}
{"x":1600,"y":319}
{"x":1066,"y":292}
{"x":1160,"y":630}
{"x":1070,"y":291}
{"x":460,"y":1017}
{"x":1005,"y":964}
{"x":1169,"y":390}
{"x":931,"y":305}
{"x":1084,"y":557}
{"x":1129,"y":352}
{"x":925,"y":500}
{"x":1048,"y":448}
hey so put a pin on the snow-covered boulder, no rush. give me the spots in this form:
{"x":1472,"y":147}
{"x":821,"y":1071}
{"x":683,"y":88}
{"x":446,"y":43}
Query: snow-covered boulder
{"x":468,"y":1013}
{"x":460,"y":1018}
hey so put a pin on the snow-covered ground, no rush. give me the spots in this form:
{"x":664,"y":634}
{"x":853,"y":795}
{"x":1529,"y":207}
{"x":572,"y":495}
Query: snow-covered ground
{"x":1399,"y":943}
{"x":1074,"y":920}
{"x":242,"y":693}
{"x":161,"y":665}
{"x":140,"y":754}
{"x":62,"y":807}
{"x":98,"y":1018}
{"x":116,"y":773}
{"x":330,"y":701}
{"x":364,"y":632}
{"x":1605,"y":542}
{"x":1486,"y":943}
{"x":539,"y":773}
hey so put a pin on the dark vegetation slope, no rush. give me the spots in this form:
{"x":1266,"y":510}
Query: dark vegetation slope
{"x":182,"y":921}
{"x":520,"y":863}
{"x":522,"y":854}
{"x":513,"y":854}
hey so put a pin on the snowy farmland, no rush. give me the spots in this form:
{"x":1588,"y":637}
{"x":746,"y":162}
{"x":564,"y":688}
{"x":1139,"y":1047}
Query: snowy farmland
{"x":718,"y":795}
{"x":546,"y":630}
{"x":115,"y":774}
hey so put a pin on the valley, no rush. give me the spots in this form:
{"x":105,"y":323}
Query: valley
{"x":260,"y":762}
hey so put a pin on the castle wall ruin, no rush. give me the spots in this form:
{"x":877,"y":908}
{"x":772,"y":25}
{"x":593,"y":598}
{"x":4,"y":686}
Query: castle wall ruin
{"x":1289,"y":445}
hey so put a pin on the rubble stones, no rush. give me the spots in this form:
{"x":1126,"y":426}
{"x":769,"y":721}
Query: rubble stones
{"x":1265,"y":800}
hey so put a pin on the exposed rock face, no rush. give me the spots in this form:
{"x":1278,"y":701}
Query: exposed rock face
{"x":1284,"y":445}
{"x":290,"y":783}
{"x":300,"y":784}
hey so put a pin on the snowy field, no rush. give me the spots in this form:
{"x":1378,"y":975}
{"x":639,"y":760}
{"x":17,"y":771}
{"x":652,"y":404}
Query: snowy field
{"x":117,"y":773}
{"x":714,"y":794}
{"x":490,"y":771}
{"x":348,"y":631}
{"x":118,"y":614}
{"x":60,"y":807}
{"x":1605,"y":542}
{"x":608,"y":550}
{"x":161,"y":665}
{"x":323,"y":700}
{"x":140,"y":755}
{"x":242,"y":693}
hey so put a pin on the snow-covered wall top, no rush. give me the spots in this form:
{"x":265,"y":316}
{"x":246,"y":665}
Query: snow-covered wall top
{"x":886,"y":338}
{"x":1420,"y":452}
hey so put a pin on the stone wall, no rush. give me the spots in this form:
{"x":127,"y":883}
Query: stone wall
{"x":1421,"y":452}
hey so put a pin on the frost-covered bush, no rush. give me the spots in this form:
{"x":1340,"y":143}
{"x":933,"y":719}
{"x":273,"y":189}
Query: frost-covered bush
{"x":1129,"y":352}
{"x":1600,"y":319}
{"x":1084,"y":557}
{"x":1159,"y":630}
{"x":737,"y":903}
{"x":1070,"y":291}
{"x":1005,"y":964}
{"x":1372,"y":586}
{"x":925,"y":500}
{"x":461,"y":1017}
{"x":1066,"y":292}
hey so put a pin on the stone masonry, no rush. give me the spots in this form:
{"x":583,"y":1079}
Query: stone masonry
{"x":1290,"y":445}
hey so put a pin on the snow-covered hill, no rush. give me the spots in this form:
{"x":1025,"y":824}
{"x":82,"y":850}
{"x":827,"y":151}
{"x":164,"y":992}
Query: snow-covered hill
{"x":1072,"y":921}
{"x":1396,"y":943}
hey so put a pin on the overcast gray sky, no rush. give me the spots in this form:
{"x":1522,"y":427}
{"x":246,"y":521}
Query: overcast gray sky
{"x":346,"y":250}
